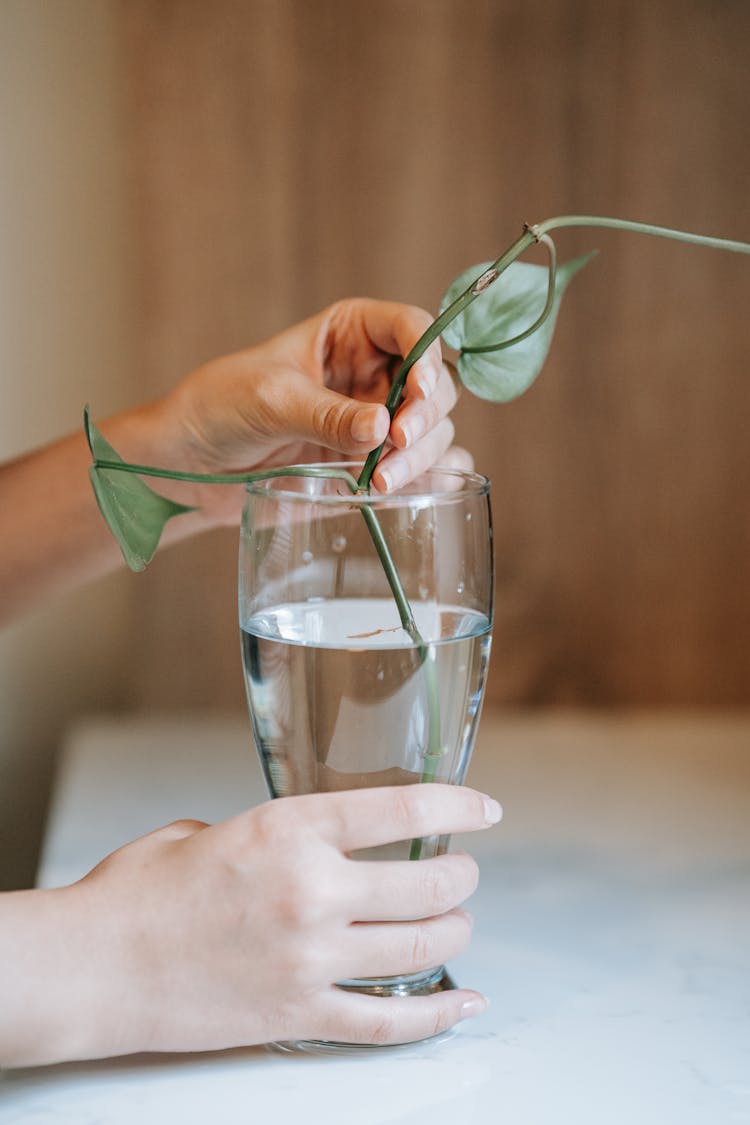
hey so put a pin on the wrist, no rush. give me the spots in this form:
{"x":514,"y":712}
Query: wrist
{"x":52,"y":991}
{"x":153,"y":434}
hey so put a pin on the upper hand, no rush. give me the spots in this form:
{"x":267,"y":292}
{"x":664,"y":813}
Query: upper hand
{"x":313,"y":393}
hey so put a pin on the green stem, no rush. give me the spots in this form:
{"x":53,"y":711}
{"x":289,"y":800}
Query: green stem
{"x":531,"y":234}
{"x":641,"y":228}
{"x":548,"y":306}
{"x":394,"y":581}
{"x":434,"y":751}
{"x":434,"y":748}
{"x":370,"y":517}
{"x":229,"y":478}
{"x":438,"y":325}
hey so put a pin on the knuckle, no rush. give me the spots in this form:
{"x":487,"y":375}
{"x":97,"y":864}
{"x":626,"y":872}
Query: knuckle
{"x":403,"y":323}
{"x":271,"y":405}
{"x":186,"y":826}
{"x":422,"y":946}
{"x":268,"y":823}
{"x":339,"y":309}
{"x":441,"y":1020}
{"x":433,"y":413}
{"x":437,"y":887}
{"x":411,"y":809}
{"x":448,"y":880}
{"x":414,"y":320}
{"x":408,"y":323}
{"x":328,"y":421}
{"x":178,"y":829}
{"x":300,"y":907}
{"x":303,"y":968}
{"x":383,"y":1031}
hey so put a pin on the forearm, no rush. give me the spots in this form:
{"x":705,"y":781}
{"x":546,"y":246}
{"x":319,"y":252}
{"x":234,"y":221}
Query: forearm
{"x":52,"y":534}
{"x":53,"y":980}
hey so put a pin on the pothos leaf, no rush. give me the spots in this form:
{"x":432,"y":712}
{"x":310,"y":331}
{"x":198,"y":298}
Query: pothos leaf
{"x":135,"y":514}
{"x":509,"y":305}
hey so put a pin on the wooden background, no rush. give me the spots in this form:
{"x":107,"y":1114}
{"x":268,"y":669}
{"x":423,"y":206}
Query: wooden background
{"x":285,"y":153}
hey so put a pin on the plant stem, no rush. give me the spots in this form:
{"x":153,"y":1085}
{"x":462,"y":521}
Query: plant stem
{"x":230,"y":478}
{"x":641,"y":228}
{"x":548,"y":306}
{"x":526,"y":239}
{"x":394,"y":581}
{"x":530,"y":234}
{"x":370,"y":517}
{"x":434,"y":751}
{"x":434,"y":748}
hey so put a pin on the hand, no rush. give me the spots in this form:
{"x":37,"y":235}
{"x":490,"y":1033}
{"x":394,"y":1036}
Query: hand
{"x":313,"y":392}
{"x":215,"y":937}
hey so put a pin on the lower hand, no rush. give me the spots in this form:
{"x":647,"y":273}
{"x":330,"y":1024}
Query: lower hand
{"x":216,"y":937}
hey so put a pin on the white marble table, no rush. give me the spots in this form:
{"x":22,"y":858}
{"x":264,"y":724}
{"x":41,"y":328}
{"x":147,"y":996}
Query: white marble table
{"x":612,"y":933}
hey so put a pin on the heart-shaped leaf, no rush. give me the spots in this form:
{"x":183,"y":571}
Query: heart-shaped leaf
{"x":135,"y":514}
{"x":504,"y":309}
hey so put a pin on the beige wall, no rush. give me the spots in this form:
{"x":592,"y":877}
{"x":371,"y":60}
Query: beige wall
{"x":64,"y":338}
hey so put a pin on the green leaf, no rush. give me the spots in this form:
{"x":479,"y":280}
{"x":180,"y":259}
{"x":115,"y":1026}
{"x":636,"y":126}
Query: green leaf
{"x":135,"y":514}
{"x":505,"y":309}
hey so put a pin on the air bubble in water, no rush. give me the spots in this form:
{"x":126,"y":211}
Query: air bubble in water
{"x":468,"y":517}
{"x":460,"y":588}
{"x":338,"y":544}
{"x":423,"y":593}
{"x":381,"y":674}
{"x":307,"y":557}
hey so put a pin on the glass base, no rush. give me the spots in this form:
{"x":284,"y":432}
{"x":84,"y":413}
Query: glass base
{"x":415,"y":984}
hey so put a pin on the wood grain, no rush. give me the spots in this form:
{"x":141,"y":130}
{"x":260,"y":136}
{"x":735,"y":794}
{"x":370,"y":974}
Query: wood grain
{"x":285,"y":153}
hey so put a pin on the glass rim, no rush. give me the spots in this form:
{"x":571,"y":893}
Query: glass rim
{"x":474,"y":484}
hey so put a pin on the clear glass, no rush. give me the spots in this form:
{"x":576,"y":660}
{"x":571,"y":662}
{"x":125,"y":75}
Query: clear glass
{"x":340,"y":695}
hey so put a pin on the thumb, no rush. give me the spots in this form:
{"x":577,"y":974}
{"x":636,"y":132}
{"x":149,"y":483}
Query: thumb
{"x":336,"y":421}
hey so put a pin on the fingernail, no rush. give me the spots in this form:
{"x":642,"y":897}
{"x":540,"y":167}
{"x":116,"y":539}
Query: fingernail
{"x":492,"y":810}
{"x":474,"y":1007}
{"x":413,"y":429}
{"x":428,"y":379}
{"x":393,"y":477}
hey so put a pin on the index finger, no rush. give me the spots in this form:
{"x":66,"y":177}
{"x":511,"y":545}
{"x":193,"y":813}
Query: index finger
{"x":365,"y":818}
{"x":395,"y":328}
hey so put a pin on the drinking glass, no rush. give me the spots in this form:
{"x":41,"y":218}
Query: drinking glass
{"x":341,"y":694}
